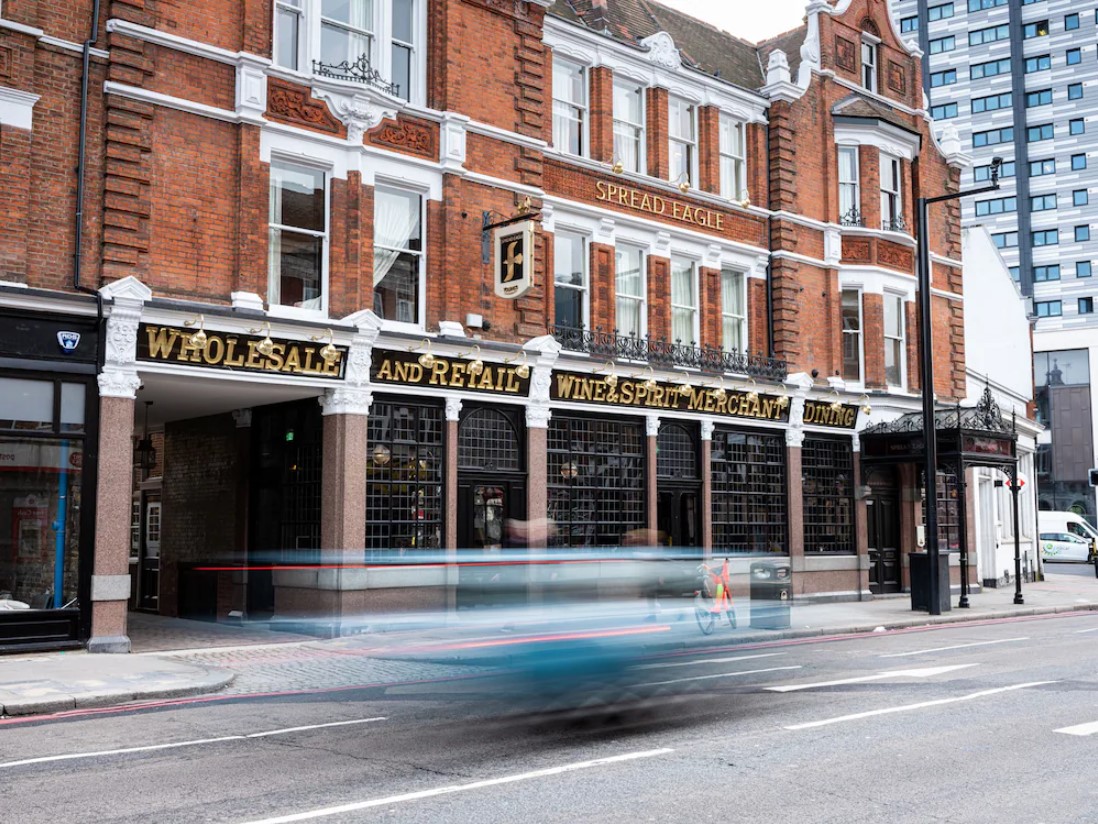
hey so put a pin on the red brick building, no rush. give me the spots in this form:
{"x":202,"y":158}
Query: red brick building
{"x":702,"y":291}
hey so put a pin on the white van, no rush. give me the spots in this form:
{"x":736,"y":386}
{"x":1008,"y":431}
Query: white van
{"x":1053,"y":522}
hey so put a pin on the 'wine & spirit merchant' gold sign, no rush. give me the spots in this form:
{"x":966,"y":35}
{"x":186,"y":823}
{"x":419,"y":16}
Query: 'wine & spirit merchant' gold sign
{"x":244,"y":353}
{"x":406,"y":369}
{"x":656,"y":205}
{"x":572,"y":386}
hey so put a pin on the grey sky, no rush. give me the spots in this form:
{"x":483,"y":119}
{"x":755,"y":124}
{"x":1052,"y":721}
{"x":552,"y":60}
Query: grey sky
{"x":752,"y":20}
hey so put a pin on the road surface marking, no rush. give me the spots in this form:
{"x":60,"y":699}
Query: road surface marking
{"x":919,"y":706}
{"x":46,"y":759}
{"x":912,"y":673}
{"x":1080,"y":729}
{"x":698,"y":662}
{"x":459,"y":788}
{"x":1092,"y":629}
{"x":315,"y":727}
{"x":718,"y":675}
{"x":958,"y":646}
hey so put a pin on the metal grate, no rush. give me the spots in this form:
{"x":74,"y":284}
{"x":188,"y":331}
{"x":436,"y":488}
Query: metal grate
{"x":827,"y":468}
{"x":596,"y":480}
{"x":749,"y":492}
{"x":488,"y":440}
{"x":949,"y":511}
{"x":677,"y":453}
{"x":404,"y":476}
{"x":301,"y":488}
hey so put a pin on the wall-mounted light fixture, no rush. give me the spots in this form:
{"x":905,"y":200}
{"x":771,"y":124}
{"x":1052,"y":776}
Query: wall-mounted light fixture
{"x":618,"y":166}
{"x":650,"y":382}
{"x":266,"y":346}
{"x":683,"y":183}
{"x":867,"y":408}
{"x":753,"y":390}
{"x":836,"y":405}
{"x":611,"y":375}
{"x":328,"y":351}
{"x":426,"y":360}
{"x":198,"y":338}
{"x":745,"y":199}
{"x":476,"y":366}
{"x":719,"y":391}
{"x":523,"y":369}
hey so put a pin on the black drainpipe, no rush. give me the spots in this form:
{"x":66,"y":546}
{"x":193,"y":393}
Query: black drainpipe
{"x":81,"y":171}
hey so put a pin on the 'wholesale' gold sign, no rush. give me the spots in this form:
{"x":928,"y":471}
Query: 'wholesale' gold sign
{"x":656,"y":205}
{"x":580,"y":388}
{"x":224,"y":350}
{"x":405,"y":369}
{"x":817,"y":413}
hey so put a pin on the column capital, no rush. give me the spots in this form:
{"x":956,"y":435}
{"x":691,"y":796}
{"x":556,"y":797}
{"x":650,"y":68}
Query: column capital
{"x":707,"y":425}
{"x":346,"y":400}
{"x":243,"y":418}
{"x":118,"y":382}
{"x":453,"y":409}
{"x":856,"y":442}
{"x":652,"y":425}
{"x":538,"y":415}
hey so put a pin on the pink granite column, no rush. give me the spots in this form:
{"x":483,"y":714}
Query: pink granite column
{"x":652,"y":423}
{"x":537,"y":471}
{"x":861,"y":524}
{"x":110,"y":572}
{"x":453,"y":413}
{"x":796,"y":506}
{"x":707,"y":486}
{"x":343,"y":473}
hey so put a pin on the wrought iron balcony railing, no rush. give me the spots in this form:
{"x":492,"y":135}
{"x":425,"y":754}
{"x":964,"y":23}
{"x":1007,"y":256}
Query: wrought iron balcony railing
{"x":852,"y":218}
{"x":356,"y":71}
{"x":610,"y":344}
{"x":896,"y":224}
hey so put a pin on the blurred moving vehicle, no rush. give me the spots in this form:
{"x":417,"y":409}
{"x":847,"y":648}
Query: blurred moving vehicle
{"x":1065,"y":546}
{"x":1049,"y":522}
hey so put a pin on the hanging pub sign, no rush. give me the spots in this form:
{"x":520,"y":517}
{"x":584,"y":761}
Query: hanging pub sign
{"x":243,"y":353}
{"x":818,"y":413}
{"x":412,"y":369}
{"x":647,"y":394}
{"x":514,"y":259}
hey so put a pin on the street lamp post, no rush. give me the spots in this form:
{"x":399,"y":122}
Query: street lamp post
{"x":926,"y":354}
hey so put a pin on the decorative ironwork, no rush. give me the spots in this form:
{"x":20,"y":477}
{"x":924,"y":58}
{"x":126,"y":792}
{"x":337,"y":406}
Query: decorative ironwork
{"x":897,"y":224}
{"x":663,"y":352}
{"x":852,"y":218}
{"x":356,"y":71}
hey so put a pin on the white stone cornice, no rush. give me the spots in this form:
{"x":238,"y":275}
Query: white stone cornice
{"x":178,"y":103}
{"x":17,"y":108}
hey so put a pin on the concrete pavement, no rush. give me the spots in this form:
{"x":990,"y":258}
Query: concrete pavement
{"x":247,"y":661}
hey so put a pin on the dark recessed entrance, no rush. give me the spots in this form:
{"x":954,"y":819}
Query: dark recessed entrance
{"x":678,"y":474}
{"x":883,"y":522}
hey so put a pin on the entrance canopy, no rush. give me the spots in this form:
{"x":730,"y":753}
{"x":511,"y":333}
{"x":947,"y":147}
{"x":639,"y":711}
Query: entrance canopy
{"x":966,"y":436}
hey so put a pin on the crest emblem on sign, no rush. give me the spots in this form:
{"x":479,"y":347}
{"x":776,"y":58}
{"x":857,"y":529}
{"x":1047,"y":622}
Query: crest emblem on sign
{"x":514,"y":260}
{"x":68,"y":341}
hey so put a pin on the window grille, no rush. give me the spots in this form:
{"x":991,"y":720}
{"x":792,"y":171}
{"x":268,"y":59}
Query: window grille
{"x":827,"y":467}
{"x":676,"y":453}
{"x":489,"y":441}
{"x":749,"y":492}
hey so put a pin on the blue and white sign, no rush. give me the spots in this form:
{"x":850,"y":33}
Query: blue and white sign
{"x":68,"y":341}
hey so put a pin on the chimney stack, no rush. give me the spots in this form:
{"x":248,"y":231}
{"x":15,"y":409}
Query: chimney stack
{"x":597,"y":18}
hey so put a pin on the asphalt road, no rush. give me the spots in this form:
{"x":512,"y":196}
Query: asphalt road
{"x":972,"y":723}
{"x":1069,"y":568}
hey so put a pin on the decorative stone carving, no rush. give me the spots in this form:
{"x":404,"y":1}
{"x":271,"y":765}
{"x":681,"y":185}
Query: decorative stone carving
{"x":707,"y":429}
{"x":794,"y":435}
{"x":347,"y":400}
{"x":358,"y":109}
{"x":243,"y":418}
{"x":777,"y":68}
{"x":291,"y":103}
{"x":118,"y":383}
{"x":453,"y":409}
{"x":856,"y":250}
{"x":856,"y":442}
{"x":251,"y":89}
{"x":662,"y":51}
{"x":844,"y":53}
{"x":407,"y":135}
{"x":652,"y":425}
{"x":538,"y":416}
{"x":897,"y":77}
{"x":127,"y":298}
{"x":894,"y":256}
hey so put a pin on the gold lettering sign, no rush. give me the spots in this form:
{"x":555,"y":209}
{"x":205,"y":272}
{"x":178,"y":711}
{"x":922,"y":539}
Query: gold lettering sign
{"x":655,"y":205}
{"x":225,"y":350}
{"x":817,"y":413}
{"x":404,"y":368}
{"x":580,"y":388}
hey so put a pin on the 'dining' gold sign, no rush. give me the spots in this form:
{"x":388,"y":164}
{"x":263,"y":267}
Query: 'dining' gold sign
{"x":404,"y":368}
{"x":225,"y":350}
{"x":572,"y":386}
{"x":817,"y":413}
{"x":656,"y":205}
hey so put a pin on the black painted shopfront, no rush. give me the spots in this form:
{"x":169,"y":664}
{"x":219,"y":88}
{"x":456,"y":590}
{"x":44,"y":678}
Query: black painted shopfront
{"x":48,"y":444}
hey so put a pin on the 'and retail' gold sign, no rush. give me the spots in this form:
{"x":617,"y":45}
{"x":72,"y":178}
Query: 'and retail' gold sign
{"x":570,"y":386}
{"x":225,"y":350}
{"x":656,"y":205}
{"x":817,"y":413}
{"x":407,"y":369}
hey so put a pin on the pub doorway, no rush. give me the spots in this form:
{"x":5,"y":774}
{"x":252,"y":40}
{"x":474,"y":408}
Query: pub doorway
{"x":491,"y":492}
{"x":883,"y":523}
{"x":679,"y":485}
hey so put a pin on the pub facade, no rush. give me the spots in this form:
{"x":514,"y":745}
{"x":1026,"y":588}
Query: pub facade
{"x":361,"y":284}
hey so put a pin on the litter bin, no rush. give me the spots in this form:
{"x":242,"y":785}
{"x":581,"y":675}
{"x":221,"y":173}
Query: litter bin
{"x":919,"y":566}
{"x":771,"y":594}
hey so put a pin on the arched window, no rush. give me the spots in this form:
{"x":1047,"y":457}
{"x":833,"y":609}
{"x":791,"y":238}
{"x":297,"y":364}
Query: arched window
{"x":676,"y":453}
{"x":488,"y":440}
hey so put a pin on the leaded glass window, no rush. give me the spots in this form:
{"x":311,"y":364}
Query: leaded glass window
{"x":827,"y":468}
{"x":749,"y":492}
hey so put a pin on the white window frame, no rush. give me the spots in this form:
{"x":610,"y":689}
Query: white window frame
{"x":640,"y":300}
{"x":901,"y":339}
{"x":869,"y":63}
{"x":585,"y":287}
{"x":693,"y":309}
{"x":419,"y":323}
{"x":860,"y":334}
{"x":276,"y":307}
{"x":581,"y":107}
{"x":892,"y":204}
{"x":730,"y":316}
{"x":296,"y":9}
{"x":853,"y":187}
{"x":153,"y":520}
{"x":638,"y":131}
{"x":733,"y":189}
{"x":310,"y":25}
{"x":689,"y":142}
